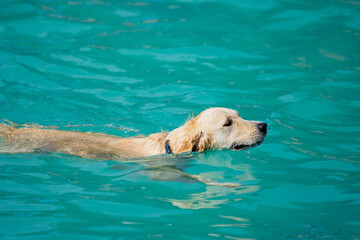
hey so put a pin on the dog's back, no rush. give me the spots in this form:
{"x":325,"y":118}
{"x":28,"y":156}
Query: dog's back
{"x":24,"y":138}
{"x":6,"y":131}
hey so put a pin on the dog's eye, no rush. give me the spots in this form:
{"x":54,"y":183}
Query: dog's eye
{"x":228,"y":123}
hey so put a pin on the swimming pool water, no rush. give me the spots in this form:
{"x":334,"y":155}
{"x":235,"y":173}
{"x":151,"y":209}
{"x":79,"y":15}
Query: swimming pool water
{"x":128,"y":68}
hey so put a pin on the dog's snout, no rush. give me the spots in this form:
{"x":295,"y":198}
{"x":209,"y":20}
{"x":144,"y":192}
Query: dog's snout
{"x":262,"y":127}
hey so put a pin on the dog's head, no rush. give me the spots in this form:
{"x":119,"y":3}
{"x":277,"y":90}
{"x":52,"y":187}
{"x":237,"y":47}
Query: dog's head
{"x":220,"y":128}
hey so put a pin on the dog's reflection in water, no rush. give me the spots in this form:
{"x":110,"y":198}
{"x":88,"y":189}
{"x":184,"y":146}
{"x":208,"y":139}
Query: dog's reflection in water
{"x":216,"y":190}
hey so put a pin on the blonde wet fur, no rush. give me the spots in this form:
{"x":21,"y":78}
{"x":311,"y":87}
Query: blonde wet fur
{"x":214,"y":128}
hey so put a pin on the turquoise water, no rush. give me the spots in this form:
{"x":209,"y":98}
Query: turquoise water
{"x":130,"y":68}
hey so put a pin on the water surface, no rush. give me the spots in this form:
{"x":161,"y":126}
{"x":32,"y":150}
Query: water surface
{"x":129,"y":68}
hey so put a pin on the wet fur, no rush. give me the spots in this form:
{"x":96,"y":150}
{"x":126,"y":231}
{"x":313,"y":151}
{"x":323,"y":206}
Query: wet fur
{"x":201,"y":133}
{"x":206,"y":131}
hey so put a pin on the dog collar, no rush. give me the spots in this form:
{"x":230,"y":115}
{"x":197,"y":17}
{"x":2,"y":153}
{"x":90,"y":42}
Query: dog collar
{"x":167,"y":147}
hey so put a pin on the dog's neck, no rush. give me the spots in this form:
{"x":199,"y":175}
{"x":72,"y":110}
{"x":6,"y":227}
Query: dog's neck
{"x":143,"y":146}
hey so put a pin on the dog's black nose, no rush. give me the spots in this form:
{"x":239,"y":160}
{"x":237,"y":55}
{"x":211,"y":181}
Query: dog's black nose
{"x":262,"y":127}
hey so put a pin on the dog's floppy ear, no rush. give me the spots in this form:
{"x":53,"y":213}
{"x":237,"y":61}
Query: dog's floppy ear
{"x":189,"y":137}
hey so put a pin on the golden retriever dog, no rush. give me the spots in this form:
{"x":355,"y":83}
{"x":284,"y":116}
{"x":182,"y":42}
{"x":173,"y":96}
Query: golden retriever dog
{"x":214,"y":128}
